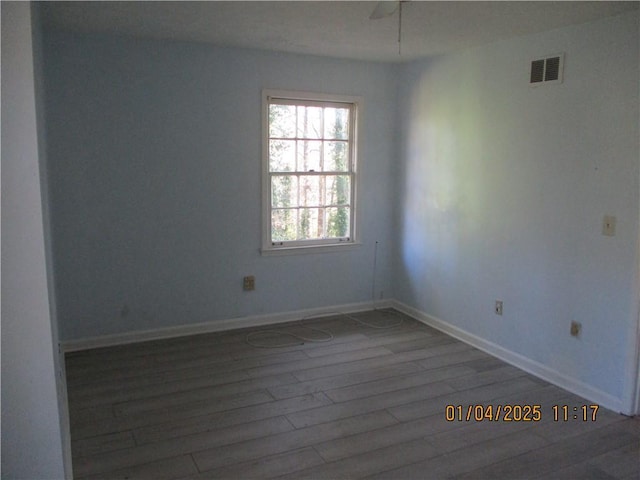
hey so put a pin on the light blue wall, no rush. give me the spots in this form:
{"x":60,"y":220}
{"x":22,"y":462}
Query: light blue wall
{"x":154,"y":160}
{"x":477,"y":186}
{"x":502,"y":192}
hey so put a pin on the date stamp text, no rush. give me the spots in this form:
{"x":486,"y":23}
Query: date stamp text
{"x":519,"y":413}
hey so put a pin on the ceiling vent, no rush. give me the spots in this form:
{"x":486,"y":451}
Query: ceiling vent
{"x":547,"y":70}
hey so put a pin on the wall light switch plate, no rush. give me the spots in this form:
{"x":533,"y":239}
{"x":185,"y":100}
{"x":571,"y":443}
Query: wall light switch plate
{"x":609,"y":225}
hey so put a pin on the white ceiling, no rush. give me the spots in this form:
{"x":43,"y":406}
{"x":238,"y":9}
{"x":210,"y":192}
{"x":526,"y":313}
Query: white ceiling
{"x":330,"y":28}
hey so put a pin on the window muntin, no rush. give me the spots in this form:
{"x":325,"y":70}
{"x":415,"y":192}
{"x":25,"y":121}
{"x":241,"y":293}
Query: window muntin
{"x":309,"y":171}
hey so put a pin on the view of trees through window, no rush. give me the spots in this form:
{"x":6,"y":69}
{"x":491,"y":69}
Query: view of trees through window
{"x":310,"y":171}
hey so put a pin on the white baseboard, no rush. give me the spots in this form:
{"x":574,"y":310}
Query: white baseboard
{"x":215,"y":326}
{"x":544,"y":372}
{"x":531,"y":366}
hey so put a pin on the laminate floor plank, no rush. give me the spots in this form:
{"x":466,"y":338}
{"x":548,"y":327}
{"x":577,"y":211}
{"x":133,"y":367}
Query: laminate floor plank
{"x":137,"y":405}
{"x":619,"y":463}
{"x":98,"y":413}
{"x":466,"y":460}
{"x":308,"y":347}
{"x":194,"y":369}
{"x":486,"y":364}
{"x":280,"y":443}
{"x":348,"y":379}
{"x":429,"y":406}
{"x":358,"y":365}
{"x":469,"y":354}
{"x":385,"y":341}
{"x":382,"y":437}
{"x":165,"y":469}
{"x":582,"y":471}
{"x":151,"y":452}
{"x":421,"y":343}
{"x":319,"y":362}
{"x":266,"y":467}
{"x":184,"y":411}
{"x":558,"y":456}
{"x":543,"y":395}
{"x":103,"y":443}
{"x":113,"y":392}
{"x":369,"y":463}
{"x":171,"y":392}
{"x":371,"y":403}
{"x":461,"y":435}
{"x":369,"y":389}
{"x":561,"y":429}
{"x":136,"y":366}
{"x":482,"y":378}
{"x":169,"y":429}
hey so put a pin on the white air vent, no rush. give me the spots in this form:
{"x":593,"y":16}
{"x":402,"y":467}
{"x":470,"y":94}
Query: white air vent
{"x":546,"y":70}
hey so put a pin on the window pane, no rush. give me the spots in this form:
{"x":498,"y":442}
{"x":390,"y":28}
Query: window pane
{"x":282,"y":121}
{"x":336,"y":157}
{"x":310,"y":171}
{"x":338,"y":222}
{"x":282,"y":155}
{"x":309,"y":155}
{"x":283,"y":225}
{"x":336,"y":123}
{"x":338,"y":188}
{"x":310,"y":191}
{"x":309,"y":122}
{"x":284,"y":191}
{"x":310,"y":223}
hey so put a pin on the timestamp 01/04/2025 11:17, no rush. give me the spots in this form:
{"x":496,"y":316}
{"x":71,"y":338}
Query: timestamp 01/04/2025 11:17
{"x":519,"y":413}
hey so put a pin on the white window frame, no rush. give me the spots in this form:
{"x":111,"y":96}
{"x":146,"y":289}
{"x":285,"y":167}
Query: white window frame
{"x":314,"y":245}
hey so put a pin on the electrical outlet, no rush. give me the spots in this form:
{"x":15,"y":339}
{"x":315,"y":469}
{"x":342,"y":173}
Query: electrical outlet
{"x":609,"y":225}
{"x":249,"y":283}
{"x":575,"y":329}
{"x":498,"y":308}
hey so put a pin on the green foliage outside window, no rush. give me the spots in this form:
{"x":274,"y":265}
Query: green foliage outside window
{"x":310,"y":174}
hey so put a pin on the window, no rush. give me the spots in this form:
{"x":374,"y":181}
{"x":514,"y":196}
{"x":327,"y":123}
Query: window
{"x":309,"y":171}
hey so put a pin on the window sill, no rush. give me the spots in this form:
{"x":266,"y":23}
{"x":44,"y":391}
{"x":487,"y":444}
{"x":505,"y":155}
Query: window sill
{"x":311,"y":249}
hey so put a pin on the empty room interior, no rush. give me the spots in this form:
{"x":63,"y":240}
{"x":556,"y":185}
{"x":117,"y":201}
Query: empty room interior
{"x":320,"y":240}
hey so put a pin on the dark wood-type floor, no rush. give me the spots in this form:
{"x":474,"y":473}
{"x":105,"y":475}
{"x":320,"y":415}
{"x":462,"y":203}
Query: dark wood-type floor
{"x":371,"y":403}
